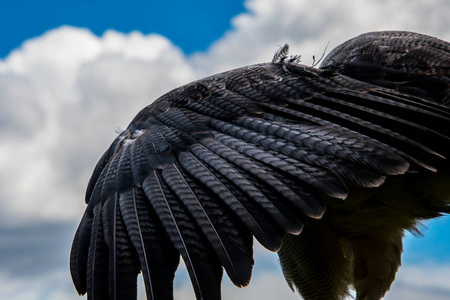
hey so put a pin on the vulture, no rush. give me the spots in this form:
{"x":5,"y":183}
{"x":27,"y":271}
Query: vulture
{"x":326,"y":166}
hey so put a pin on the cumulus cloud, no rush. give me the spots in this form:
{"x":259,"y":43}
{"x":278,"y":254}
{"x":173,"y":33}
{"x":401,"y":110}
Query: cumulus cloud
{"x":63,"y":95}
{"x":34,"y":263}
{"x":425,"y":281}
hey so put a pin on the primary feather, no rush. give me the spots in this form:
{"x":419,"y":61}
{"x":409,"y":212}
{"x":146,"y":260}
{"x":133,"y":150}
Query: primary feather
{"x":270,"y":151}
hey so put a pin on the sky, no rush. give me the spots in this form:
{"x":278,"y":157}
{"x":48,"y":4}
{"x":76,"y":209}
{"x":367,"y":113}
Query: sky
{"x":72,"y":73}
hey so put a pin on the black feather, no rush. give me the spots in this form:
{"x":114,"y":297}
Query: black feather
{"x":123,"y":259}
{"x":79,"y":253}
{"x":98,"y":262}
{"x":202,"y":264}
{"x":227,"y":187}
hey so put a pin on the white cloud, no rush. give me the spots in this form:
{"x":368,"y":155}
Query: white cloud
{"x":416,"y":282}
{"x":38,"y":288}
{"x":64,"y":93}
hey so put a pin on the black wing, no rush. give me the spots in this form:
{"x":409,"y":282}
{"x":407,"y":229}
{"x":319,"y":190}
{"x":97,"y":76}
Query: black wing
{"x":409,"y":62}
{"x":252,"y":151}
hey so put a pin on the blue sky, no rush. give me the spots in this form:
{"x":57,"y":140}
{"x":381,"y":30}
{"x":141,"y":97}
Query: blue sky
{"x":72,"y":72}
{"x":191,"y":25}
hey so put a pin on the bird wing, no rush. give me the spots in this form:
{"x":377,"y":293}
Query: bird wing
{"x":409,"y":62}
{"x":248,"y":152}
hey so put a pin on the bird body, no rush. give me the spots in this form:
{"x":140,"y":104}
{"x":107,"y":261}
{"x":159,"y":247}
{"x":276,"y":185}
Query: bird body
{"x":326,"y":169}
{"x":358,"y":242}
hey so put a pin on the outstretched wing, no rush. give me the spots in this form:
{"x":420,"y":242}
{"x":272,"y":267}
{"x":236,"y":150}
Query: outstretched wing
{"x":249,"y":152}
